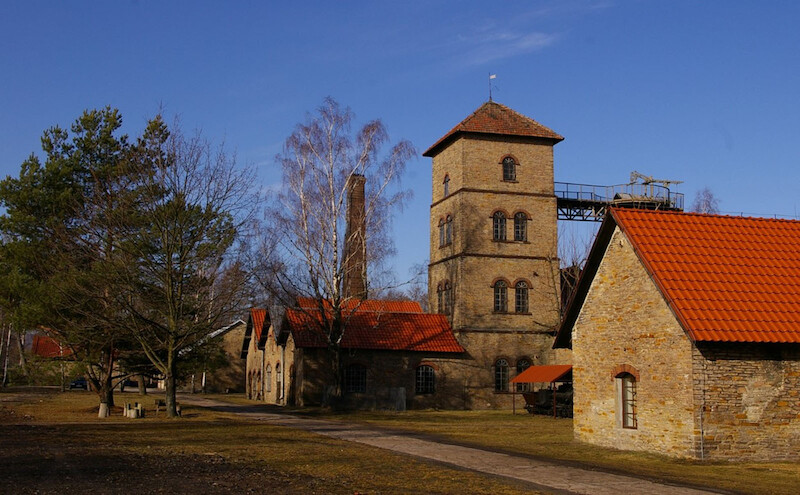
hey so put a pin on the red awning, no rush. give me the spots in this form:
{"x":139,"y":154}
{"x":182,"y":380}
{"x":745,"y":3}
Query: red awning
{"x":544,"y":374}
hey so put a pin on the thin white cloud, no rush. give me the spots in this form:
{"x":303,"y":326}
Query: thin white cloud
{"x":493,"y":47}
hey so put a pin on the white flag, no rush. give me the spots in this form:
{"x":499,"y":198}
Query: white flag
{"x":492,"y":76}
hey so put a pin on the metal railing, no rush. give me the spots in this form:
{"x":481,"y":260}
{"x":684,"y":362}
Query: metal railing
{"x":619,"y":194}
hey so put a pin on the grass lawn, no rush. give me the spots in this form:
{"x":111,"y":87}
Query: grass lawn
{"x":53,"y":442}
{"x":548,"y":438}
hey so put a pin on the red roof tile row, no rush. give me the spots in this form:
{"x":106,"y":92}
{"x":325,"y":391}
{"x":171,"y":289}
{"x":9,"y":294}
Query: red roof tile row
{"x":257,"y":317}
{"x":494,"y":118}
{"x":375,"y":305}
{"x":396,"y":331}
{"x":728,"y":279}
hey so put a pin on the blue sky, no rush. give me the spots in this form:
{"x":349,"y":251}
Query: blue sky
{"x":704,"y":92}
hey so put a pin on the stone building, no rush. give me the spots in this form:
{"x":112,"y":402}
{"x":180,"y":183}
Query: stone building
{"x":494,"y":267}
{"x":685,"y":336}
{"x":228,"y":378}
{"x":389,"y":359}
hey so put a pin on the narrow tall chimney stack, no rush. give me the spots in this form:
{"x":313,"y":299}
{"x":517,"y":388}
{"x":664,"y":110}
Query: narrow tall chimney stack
{"x":355,"y":244}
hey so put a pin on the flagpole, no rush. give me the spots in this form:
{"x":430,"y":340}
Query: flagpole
{"x":491,"y":76}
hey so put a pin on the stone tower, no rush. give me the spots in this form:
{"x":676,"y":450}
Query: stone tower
{"x":494,"y":265}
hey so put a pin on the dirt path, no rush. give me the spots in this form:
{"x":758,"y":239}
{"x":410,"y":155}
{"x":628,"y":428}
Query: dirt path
{"x":551,"y":477}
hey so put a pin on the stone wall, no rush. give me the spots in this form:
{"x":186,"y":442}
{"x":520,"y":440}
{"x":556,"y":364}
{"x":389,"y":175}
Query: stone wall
{"x":229,"y":378}
{"x":254,"y":381}
{"x":625,"y":325}
{"x":749,"y":398}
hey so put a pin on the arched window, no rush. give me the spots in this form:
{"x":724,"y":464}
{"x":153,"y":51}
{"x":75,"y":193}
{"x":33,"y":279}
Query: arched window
{"x":278,"y":378}
{"x":521,"y":297}
{"x":509,"y":169}
{"x":448,"y":229}
{"x":446,"y":184}
{"x":500,"y":296}
{"x":441,"y":232}
{"x":522,"y":365}
{"x":355,"y":379}
{"x":499,"y":226}
{"x":440,"y":298}
{"x":425,"y":380}
{"x":448,"y":298}
{"x":520,"y":226}
{"x":626,"y":385}
{"x":501,"y":375}
{"x":268,"y":375}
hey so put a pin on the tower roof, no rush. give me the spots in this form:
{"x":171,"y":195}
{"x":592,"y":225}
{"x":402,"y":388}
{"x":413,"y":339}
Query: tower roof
{"x":494,"y":118}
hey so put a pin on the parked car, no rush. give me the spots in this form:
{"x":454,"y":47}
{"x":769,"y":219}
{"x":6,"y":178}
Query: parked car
{"x":79,"y":382}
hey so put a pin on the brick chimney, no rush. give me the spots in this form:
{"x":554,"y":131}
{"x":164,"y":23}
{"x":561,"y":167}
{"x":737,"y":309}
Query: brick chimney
{"x":355,"y":246}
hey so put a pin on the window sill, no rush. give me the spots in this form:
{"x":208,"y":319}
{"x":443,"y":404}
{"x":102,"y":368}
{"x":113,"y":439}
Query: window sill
{"x":511,"y":181}
{"x":505,"y":241}
{"x":511,"y":313}
{"x":448,"y":244}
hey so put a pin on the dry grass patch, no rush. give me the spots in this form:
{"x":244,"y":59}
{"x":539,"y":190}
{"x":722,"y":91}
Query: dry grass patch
{"x":62,"y":447}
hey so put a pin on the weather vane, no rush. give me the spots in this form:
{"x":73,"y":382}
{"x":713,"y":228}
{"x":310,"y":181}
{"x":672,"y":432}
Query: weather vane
{"x":491,"y":76}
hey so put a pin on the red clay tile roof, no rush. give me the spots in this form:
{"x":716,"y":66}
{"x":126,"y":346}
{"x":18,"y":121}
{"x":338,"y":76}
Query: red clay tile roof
{"x":728,"y":279}
{"x":257,"y":317}
{"x":47,"y":347}
{"x":494,"y":118}
{"x":395,"y":331}
{"x":377,"y":305}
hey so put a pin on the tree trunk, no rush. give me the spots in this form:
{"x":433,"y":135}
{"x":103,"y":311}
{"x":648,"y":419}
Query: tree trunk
{"x":8,"y":353}
{"x":142,"y":386}
{"x":169,"y":382}
{"x":336,"y":368}
{"x":23,"y":363}
{"x":106,"y":394}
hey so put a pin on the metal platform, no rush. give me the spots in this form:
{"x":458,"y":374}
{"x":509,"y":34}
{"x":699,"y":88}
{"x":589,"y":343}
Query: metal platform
{"x":586,"y":202}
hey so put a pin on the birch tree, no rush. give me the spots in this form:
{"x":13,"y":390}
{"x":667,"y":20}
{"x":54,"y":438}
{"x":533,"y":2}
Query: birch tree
{"x":307,"y":225}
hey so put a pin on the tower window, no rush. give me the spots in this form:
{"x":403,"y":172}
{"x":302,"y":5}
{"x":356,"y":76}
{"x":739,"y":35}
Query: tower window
{"x":509,"y":169}
{"x":441,"y":232}
{"x":499,"y":226}
{"x":501,"y":375}
{"x":425,"y":380}
{"x":446,"y":184}
{"x":444,"y":294}
{"x":520,"y":226}
{"x":500,"y":297}
{"x":448,"y":229}
{"x":521,"y":297}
